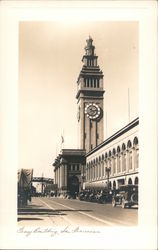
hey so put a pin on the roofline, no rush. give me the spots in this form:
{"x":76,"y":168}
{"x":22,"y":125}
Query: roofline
{"x":129,"y":126}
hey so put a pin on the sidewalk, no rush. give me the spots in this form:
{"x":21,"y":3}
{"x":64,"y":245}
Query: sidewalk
{"x":35,"y":214}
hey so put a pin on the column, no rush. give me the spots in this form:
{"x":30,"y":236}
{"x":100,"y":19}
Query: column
{"x":103,"y":168}
{"x":115,"y":165}
{"x":133,"y":158}
{"x":121,"y":163}
{"x":124,"y":161}
{"x":110,"y":166}
{"x":127,"y":161}
{"x":55,"y":173}
{"x":62,"y":176}
{"x":130,"y":159}
{"x":65,"y":175}
{"x":99,"y":170}
{"x":57,"y":177}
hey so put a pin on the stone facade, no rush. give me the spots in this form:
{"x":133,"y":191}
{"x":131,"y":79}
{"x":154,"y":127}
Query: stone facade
{"x":115,"y":161}
{"x":90,"y":93}
{"x":68,"y":170}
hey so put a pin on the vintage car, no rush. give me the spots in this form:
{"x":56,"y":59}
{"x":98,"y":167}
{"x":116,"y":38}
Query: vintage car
{"x":126,"y":195}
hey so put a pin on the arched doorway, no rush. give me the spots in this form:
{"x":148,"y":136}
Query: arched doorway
{"x":73,"y":185}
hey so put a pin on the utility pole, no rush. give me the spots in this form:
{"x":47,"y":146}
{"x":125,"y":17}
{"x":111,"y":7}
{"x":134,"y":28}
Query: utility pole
{"x":42,"y":184}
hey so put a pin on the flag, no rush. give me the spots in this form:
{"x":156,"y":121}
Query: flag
{"x":62,"y":139}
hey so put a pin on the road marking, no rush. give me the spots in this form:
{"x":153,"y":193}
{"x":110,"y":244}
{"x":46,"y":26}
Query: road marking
{"x":46,"y":204}
{"x":91,"y":216}
{"x":65,"y":218}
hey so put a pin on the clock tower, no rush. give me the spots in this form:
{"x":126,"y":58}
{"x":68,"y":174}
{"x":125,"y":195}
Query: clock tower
{"x":90,"y":100}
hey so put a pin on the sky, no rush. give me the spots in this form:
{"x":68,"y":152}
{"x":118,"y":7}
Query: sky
{"x":50,"y":56}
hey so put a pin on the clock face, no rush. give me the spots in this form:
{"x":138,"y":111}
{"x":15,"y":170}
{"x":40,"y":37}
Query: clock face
{"x":92,"y":111}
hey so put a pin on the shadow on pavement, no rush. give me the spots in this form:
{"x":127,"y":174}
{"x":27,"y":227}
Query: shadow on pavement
{"x":25,"y":218}
{"x":40,"y":211}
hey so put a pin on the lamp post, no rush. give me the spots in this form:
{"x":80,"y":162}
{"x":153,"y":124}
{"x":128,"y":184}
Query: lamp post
{"x":107,"y":169}
{"x":83,"y":180}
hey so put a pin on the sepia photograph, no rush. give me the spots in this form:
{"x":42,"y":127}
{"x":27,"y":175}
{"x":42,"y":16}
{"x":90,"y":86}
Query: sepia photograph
{"x":79,"y":125}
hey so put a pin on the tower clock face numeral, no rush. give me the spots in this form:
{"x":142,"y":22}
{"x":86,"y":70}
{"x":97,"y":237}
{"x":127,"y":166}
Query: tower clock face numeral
{"x":92,"y":111}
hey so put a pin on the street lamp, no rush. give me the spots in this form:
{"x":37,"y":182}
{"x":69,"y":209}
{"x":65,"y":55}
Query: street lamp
{"x":107,"y":169}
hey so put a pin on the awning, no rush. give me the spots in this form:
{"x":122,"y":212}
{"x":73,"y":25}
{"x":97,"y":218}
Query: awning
{"x":95,"y":185}
{"x":24,"y":177}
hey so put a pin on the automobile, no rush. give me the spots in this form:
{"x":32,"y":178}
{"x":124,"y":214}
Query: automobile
{"x":105,"y":197}
{"x":81,"y":195}
{"x":92,"y":197}
{"x":126,"y":195}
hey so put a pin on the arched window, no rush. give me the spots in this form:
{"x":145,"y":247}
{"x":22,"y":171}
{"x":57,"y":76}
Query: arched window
{"x":123,"y":147}
{"x":99,"y":158}
{"x":114,"y":184}
{"x":129,"y":144}
{"x":129,"y":181}
{"x":136,"y":181}
{"x":136,"y":152}
{"x":114,"y":151}
{"x":123,"y":157}
{"x":106,"y":155}
{"x":118,"y":160}
{"x":118,"y":149}
{"x":110,"y":153}
{"x":135,"y":141}
{"x":102,"y":157}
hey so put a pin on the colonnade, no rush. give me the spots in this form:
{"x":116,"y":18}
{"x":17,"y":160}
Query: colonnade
{"x":118,"y":161}
{"x":61,"y":176}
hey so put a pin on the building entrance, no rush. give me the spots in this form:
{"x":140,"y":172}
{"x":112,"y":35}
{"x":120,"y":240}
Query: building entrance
{"x":73,"y":185}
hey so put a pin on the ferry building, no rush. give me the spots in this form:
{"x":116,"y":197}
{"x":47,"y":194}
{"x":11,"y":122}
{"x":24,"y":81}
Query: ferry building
{"x":99,"y":163}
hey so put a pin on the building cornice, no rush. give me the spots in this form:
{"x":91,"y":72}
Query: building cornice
{"x":98,"y":92}
{"x":131,"y":125}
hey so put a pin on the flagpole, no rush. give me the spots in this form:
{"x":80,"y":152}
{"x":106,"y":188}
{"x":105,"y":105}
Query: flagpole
{"x":106,"y":125}
{"x":128,"y":106}
{"x":63,"y":139}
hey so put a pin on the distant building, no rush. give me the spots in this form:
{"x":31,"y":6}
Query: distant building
{"x":68,"y":169}
{"x":97,"y":164}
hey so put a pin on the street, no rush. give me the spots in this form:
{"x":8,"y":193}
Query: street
{"x":44,"y":211}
